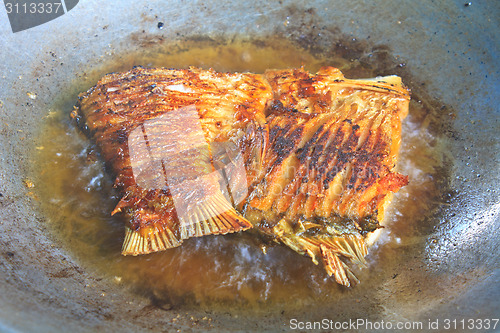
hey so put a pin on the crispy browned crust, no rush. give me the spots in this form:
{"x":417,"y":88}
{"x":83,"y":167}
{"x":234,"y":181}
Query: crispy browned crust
{"x":333,"y":146}
{"x":319,"y":152}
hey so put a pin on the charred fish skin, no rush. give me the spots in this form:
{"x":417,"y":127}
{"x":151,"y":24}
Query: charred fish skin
{"x":317,"y":154}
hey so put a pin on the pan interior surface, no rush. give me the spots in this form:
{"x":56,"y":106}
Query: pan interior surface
{"x":231,"y":271}
{"x":438,"y":255}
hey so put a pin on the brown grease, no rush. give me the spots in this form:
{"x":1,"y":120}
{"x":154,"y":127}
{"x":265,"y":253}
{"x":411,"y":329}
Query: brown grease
{"x":220,"y":271}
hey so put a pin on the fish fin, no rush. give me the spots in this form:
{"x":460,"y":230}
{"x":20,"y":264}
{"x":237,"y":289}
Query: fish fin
{"x":333,"y":250}
{"x":148,"y":240}
{"x":350,"y":246}
{"x":337,"y":267}
{"x":334,"y":266}
{"x":213,"y":216}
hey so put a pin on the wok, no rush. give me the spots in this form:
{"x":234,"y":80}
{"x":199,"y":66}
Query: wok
{"x":449,"y":49}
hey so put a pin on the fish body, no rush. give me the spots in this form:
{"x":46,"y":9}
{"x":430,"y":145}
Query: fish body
{"x":306,"y":159}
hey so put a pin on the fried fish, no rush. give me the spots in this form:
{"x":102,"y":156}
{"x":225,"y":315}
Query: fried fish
{"x":306,"y":159}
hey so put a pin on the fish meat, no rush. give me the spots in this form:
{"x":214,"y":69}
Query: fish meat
{"x":306,"y":159}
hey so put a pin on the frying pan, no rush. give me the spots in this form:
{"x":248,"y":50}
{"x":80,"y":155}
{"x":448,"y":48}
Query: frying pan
{"x":447,"y":48}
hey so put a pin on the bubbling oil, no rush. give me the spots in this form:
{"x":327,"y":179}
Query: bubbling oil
{"x":77,"y":196}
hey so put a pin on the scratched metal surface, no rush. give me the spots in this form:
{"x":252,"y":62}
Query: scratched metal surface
{"x":451,"y":47}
